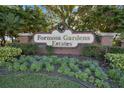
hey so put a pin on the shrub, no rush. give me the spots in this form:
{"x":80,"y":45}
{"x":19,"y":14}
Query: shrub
{"x":99,"y":83}
{"x":36,"y":66}
{"x":116,"y":60}
{"x":100,"y":74}
{"x":85,"y":63}
{"x":23,"y":67}
{"x":113,"y":49}
{"x":8,"y":53}
{"x":91,"y":79}
{"x":64,"y":69}
{"x":73,"y":67}
{"x":50,"y":50}
{"x":9,"y":66}
{"x":16,"y":66}
{"x":83,"y":76}
{"x":56,"y":60}
{"x":27,"y":49}
{"x":92,"y":51}
{"x":49,"y":67}
{"x":71,"y":74}
{"x":121,"y":82}
{"x":92,"y":67}
{"x":46,"y":59}
{"x":114,"y":74}
{"x":99,"y":51}
{"x":87,"y":70}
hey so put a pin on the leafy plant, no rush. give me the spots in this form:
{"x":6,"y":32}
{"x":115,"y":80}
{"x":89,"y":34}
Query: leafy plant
{"x":49,"y":49}
{"x":87,"y":70}
{"x":64,"y":69}
{"x":8,"y":53}
{"x":91,"y":79}
{"x":101,"y":84}
{"x":23,"y":67}
{"x":116,"y":60}
{"x":98,"y":83}
{"x":74,"y":67}
{"x":121,"y":82}
{"x":27,"y":49}
{"x":92,"y":67}
{"x":49,"y":68}
{"x":52,"y":59}
{"x":83,"y":76}
{"x":114,"y":74}
{"x":92,"y":51}
{"x":9,"y":66}
{"x":100,"y":74}
{"x":16,"y":66}
{"x":99,"y":51}
{"x":86,"y":63}
{"x":36,"y":66}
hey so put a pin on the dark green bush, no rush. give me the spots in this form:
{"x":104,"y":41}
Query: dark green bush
{"x":98,"y":51}
{"x":27,"y":49}
{"x":115,"y":50}
{"x":92,"y":51}
{"x":50,"y":50}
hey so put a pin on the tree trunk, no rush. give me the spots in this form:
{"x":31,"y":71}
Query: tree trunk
{"x":12,"y":39}
{"x":3,"y":42}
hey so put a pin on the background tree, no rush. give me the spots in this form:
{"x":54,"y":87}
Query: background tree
{"x":67,"y":15}
{"x":18,"y":19}
{"x":33,"y":18}
{"x":88,"y":18}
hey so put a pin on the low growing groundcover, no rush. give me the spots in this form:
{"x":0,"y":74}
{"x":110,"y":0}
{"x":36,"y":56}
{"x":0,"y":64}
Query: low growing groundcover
{"x":35,"y":81}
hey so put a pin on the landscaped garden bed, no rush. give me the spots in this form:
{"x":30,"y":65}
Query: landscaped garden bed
{"x":81,"y":72}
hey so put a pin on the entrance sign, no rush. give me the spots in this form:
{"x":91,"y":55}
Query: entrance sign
{"x":65,"y":39}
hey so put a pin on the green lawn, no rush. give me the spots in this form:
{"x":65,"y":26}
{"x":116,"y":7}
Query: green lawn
{"x":35,"y":81}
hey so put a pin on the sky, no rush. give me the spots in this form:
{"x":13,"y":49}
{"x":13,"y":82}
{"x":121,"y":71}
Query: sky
{"x":43,"y":8}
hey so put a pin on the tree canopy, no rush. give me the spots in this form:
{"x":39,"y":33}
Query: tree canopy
{"x":93,"y":18}
{"x":18,"y":19}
